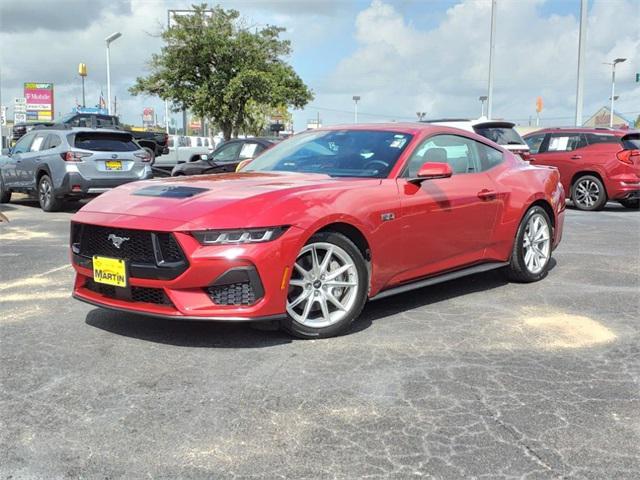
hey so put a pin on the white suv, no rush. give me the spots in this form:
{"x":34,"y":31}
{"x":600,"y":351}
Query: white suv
{"x":498,"y":131}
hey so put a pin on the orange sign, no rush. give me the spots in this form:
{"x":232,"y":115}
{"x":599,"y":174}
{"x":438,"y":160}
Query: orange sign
{"x":539,"y":104}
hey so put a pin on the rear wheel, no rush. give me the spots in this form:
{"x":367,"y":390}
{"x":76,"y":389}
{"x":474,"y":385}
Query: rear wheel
{"x":5,"y":195}
{"x":631,"y":204}
{"x":532,"y":248}
{"x":328,"y":287}
{"x":588,"y":193}
{"x":152,"y":155}
{"x":46,"y":196}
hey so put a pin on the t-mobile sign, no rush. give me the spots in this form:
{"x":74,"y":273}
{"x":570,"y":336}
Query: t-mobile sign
{"x":39,"y":101}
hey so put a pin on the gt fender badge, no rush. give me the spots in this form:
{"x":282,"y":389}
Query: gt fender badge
{"x":387,"y":217}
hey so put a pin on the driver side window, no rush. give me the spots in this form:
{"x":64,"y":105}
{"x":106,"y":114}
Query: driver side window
{"x":459,"y":152}
{"x":23,"y":144}
{"x":227,"y":153}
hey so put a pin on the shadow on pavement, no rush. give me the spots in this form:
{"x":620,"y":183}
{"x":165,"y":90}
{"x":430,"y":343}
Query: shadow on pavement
{"x":185,"y":333}
{"x":228,"y":335}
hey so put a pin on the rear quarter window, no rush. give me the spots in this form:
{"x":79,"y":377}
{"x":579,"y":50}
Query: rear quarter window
{"x":500,"y":135}
{"x":595,"y":138}
{"x":105,"y":142}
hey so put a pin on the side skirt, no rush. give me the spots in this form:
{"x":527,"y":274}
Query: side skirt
{"x":445,"y":277}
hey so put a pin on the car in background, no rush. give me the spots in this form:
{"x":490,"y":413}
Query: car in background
{"x":181,"y":150}
{"x":226,"y":157}
{"x":22,"y":128}
{"x":60,"y":163}
{"x":498,"y":131}
{"x":316,"y":226}
{"x":595,"y":164}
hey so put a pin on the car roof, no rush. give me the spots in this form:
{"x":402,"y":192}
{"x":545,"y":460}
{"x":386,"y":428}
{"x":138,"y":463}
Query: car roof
{"x":60,"y":128}
{"x":597,"y":130}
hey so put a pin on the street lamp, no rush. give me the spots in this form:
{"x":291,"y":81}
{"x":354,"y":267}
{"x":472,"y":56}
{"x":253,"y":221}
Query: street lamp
{"x":356,"y":99}
{"x":421,"y":115}
{"x":111,"y":38}
{"x":613,"y":86}
{"x":482,"y":98}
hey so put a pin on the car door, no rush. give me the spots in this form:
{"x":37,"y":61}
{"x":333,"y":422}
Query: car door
{"x":447,"y":223}
{"x":30,"y":160}
{"x":14,"y":173}
{"x":563,"y":151}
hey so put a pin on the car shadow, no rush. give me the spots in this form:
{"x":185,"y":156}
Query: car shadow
{"x":609,"y":207}
{"x":67,"y":207}
{"x":260,"y":335}
{"x":185,"y":333}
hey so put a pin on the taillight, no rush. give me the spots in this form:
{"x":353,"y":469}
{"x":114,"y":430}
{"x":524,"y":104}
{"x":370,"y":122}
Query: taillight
{"x":74,"y":156}
{"x":628,"y":156}
{"x":145,"y":157}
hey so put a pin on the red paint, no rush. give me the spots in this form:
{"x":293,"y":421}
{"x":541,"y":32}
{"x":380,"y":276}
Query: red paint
{"x":436,"y":225}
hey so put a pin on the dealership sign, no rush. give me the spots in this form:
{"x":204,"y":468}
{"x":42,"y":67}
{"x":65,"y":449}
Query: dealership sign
{"x":148,"y":117}
{"x":39,"y":101}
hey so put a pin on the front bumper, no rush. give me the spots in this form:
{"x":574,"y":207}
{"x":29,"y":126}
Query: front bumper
{"x":189,"y":294}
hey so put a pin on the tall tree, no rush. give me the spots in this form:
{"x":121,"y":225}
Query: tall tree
{"x":215,"y":66}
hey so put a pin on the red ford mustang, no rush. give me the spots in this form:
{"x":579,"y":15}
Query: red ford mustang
{"x":318,"y":225}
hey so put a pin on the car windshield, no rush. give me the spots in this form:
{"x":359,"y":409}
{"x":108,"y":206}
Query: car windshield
{"x":338,"y":153}
{"x":500,"y":135}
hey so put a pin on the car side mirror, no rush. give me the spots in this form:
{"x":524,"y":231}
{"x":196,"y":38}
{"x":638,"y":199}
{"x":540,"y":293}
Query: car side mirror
{"x":526,"y":156}
{"x":432,"y":171}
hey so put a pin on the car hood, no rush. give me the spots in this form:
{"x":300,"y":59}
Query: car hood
{"x":251,"y":199}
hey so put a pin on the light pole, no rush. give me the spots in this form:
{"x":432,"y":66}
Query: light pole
{"x":492,"y":49}
{"x":114,"y":36}
{"x":82,"y":71}
{"x":421,"y":115}
{"x":482,"y":98}
{"x":613,"y":86}
{"x":356,"y":99}
{"x":582,"y":45}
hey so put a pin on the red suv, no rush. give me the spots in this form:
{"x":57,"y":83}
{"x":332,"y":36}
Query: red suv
{"x":596,"y":165}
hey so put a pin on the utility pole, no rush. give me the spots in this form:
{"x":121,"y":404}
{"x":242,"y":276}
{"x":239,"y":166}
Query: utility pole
{"x":114,"y":36}
{"x":492,"y":49}
{"x":482,"y":98}
{"x":582,"y":44}
{"x":613,"y":86}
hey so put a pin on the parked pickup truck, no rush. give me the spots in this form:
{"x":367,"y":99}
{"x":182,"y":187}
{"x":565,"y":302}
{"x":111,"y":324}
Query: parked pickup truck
{"x":153,"y":142}
{"x":183,"y":149}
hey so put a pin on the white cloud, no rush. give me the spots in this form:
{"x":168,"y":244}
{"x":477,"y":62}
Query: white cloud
{"x":400,"y":68}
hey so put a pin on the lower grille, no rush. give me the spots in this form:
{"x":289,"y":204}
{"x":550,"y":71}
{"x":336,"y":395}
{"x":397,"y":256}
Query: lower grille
{"x":135,"y":294}
{"x":233,"y":294}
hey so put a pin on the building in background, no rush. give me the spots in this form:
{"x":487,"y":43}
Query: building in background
{"x":601,"y":119}
{"x":39,"y":102}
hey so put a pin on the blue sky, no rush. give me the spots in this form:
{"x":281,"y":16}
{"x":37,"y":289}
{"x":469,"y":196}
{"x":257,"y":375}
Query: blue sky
{"x":400,"y":56}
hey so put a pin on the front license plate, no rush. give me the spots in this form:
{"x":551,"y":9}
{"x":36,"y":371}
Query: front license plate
{"x":113,"y":165}
{"x":110,"y":271}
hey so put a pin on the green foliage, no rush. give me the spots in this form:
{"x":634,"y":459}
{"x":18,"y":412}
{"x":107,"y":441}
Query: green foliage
{"x":637,"y":123}
{"x":219,"y":69}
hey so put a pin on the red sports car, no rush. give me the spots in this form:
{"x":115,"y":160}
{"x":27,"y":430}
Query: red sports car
{"x":318,"y":225}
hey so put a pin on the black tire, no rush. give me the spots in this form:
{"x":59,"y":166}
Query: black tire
{"x":151,"y":153}
{"x":359,"y":293}
{"x":5,"y":195}
{"x":46,"y":196}
{"x":631,"y":204}
{"x":588,"y":193}
{"x":517,"y":270}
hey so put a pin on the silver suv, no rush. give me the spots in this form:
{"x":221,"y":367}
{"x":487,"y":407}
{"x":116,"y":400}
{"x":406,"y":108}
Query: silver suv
{"x":58,"y":163}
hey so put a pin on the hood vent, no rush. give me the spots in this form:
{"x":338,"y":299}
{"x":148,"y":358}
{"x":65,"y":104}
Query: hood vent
{"x":169,"y":191}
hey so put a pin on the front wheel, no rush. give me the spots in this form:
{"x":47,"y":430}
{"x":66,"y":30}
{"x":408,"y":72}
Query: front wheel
{"x":633,"y":204}
{"x":46,"y":196}
{"x":328,"y":287}
{"x":588,"y":193}
{"x":532,"y":249}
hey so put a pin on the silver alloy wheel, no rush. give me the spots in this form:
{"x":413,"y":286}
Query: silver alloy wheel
{"x":45,"y":192}
{"x":586,"y":193}
{"x":323,"y":287}
{"x":537,"y":243}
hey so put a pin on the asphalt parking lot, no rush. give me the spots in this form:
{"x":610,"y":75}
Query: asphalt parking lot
{"x":475,"y":378}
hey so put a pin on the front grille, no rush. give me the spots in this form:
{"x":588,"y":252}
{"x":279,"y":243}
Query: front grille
{"x":135,"y":294}
{"x":150,"y":254}
{"x":241,"y":293}
{"x":138,"y":246}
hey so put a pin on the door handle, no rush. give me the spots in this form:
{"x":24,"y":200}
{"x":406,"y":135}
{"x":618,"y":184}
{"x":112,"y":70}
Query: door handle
{"x":486,"y":194}
{"x":576,"y":157}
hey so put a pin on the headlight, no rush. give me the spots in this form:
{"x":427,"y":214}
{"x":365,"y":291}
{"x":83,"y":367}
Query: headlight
{"x":247,"y":235}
